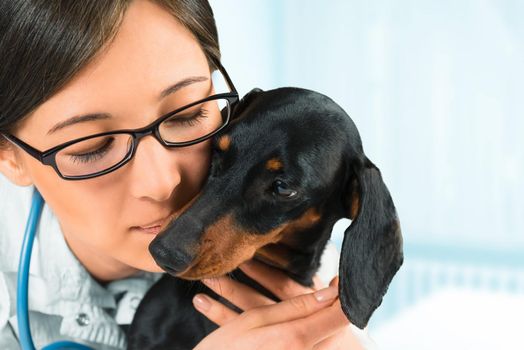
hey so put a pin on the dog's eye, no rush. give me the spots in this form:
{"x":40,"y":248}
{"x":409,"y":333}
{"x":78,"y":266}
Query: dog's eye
{"x":282,"y":189}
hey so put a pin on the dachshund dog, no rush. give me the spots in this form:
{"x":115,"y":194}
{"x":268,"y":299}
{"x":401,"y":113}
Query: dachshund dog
{"x":288,"y":167}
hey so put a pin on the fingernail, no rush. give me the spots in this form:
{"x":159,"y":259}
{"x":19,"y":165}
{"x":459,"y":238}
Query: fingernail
{"x":201,"y":302}
{"x":326,"y":294}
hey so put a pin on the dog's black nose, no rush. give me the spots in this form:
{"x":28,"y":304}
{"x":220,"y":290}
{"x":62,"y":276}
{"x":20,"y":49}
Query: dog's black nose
{"x":169,"y":259}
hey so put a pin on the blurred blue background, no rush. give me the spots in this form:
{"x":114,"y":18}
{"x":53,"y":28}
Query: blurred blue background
{"x":436,"y":90}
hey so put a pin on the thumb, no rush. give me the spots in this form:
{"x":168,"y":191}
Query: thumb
{"x":294,"y":308}
{"x":334,"y":282}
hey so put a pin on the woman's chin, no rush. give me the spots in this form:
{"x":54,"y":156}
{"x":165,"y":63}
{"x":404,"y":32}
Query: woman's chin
{"x":149,"y":266}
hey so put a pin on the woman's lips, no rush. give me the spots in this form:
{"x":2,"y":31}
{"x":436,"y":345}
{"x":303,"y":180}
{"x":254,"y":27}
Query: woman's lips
{"x":151,"y":230}
{"x":157,"y":226}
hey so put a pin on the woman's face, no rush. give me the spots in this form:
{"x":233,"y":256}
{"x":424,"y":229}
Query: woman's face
{"x":101,"y":217}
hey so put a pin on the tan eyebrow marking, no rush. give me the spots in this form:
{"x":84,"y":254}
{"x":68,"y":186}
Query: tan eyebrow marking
{"x":274,"y":164}
{"x":224,"y":142}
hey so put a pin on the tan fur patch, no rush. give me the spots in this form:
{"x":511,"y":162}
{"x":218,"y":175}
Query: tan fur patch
{"x":223,"y":247}
{"x":308,"y":219}
{"x":355,"y":205}
{"x":274,"y":254}
{"x":274,"y":164}
{"x":224,"y":143}
{"x":279,"y":254}
{"x":353,"y":200}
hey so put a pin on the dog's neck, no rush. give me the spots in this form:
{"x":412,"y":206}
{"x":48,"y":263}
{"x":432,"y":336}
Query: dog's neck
{"x":298,"y":253}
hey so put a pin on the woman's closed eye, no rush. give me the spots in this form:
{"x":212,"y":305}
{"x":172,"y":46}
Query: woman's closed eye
{"x":94,"y":155}
{"x":193,"y":119}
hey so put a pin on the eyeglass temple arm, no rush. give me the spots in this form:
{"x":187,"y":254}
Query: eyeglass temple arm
{"x":228,"y":79}
{"x":19,"y":143}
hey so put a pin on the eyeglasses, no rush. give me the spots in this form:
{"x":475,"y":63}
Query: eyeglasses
{"x":102,"y":153}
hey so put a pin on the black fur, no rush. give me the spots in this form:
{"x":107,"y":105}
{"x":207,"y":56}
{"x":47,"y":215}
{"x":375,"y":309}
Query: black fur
{"x":323,"y":160}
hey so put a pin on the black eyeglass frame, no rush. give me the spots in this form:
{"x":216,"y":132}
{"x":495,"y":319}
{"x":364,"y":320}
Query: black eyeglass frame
{"x":48,"y":157}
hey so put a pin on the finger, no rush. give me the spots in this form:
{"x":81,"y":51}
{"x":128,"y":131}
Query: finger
{"x":291,"y":309}
{"x":322,"y":325}
{"x":237,"y":293}
{"x":331,"y":343}
{"x":317,"y":283}
{"x":213,"y":310}
{"x":334,"y":281}
{"x":345,"y":339}
{"x":274,"y":280}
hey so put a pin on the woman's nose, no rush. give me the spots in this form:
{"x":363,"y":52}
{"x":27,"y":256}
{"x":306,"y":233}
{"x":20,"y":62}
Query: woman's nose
{"x":154,"y":170}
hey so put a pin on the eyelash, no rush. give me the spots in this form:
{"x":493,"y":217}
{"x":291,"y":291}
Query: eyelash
{"x":202,"y":113}
{"x":94,"y":155}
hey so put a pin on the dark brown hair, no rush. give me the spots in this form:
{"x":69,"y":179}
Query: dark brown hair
{"x":44,"y":43}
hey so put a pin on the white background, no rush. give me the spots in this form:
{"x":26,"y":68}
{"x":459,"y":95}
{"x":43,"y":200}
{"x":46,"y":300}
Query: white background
{"x":436,"y":90}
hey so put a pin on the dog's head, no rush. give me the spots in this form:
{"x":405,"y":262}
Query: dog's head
{"x":289,"y":166}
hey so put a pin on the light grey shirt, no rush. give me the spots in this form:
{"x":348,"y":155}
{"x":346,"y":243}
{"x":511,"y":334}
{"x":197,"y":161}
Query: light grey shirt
{"x":65,"y":302}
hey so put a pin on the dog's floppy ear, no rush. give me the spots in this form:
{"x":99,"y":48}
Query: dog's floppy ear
{"x":241,"y":105}
{"x":372,"y":248}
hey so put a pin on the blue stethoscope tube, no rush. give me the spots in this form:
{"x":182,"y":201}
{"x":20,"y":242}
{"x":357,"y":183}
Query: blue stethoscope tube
{"x":22,"y":311}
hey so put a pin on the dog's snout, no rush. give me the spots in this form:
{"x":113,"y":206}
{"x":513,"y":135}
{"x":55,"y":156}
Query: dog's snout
{"x":169,"y":259}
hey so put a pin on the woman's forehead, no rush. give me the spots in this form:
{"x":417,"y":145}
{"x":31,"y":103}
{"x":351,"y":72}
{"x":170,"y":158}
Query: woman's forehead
{"x":150,"y":52}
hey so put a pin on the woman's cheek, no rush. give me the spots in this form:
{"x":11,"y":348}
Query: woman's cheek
{"x":200,"y":164}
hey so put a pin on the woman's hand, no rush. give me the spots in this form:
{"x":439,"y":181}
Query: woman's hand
{"x":307,"y":318}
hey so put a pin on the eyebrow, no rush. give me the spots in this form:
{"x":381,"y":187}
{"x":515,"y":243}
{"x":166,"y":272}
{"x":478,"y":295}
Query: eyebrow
{"x":179,"y":85}
{"x":78,"y":119}
{"x":99,"y":116}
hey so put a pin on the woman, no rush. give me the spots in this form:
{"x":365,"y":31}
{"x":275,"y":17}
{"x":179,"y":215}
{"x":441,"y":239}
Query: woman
{"x":75,"y":69}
